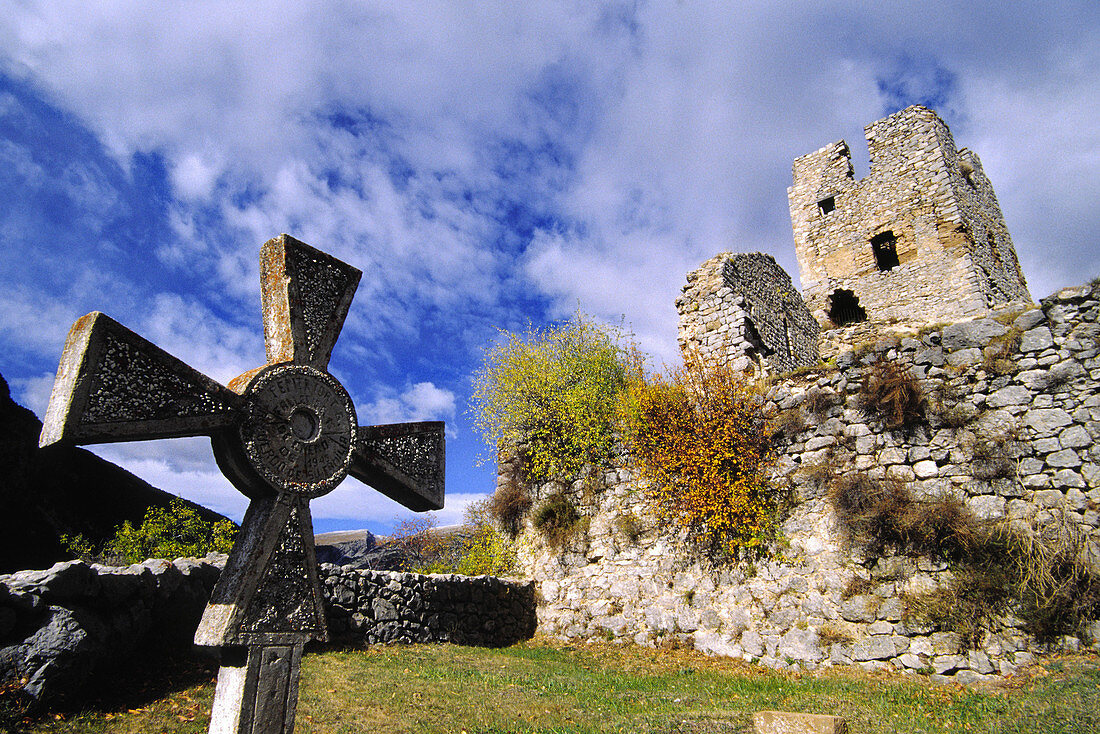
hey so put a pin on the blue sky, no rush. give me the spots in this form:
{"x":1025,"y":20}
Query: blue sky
{"x":485,"y":164}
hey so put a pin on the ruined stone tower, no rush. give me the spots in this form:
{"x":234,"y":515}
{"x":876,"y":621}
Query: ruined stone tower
{"x":920,"y":238}
{"x":743,"y":310}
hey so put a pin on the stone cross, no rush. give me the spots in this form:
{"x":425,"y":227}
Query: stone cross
{"x":283,"y":434}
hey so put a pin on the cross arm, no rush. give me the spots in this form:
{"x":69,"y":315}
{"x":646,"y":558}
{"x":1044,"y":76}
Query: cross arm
{"x":113,"y":385}
{"x":306,"y":295}
{"x":404,"y":461}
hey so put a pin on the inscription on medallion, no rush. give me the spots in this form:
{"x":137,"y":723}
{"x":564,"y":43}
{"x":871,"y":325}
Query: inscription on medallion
{"x":300,"y":433}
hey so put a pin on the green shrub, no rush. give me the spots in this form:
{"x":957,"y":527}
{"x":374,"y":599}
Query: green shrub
{"x":477,"y":548}
{"x":554,"y":392}
{"x":699,"y":437}
{"x":558,"y":520}
{"x":176,"y":531}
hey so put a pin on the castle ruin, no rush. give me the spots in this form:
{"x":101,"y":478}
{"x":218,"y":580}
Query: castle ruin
{"x":743,"y":309}
{"x":920,"y":238}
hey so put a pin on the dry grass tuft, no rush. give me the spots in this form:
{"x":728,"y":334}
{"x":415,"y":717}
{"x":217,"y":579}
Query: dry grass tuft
{"x":891,"y":394}
{"x":509,"y":505}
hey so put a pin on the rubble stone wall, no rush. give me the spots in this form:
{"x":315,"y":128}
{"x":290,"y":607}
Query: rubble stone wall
{"x":61,"y":626}
{"x":954,"y":255}
{"x":387,"y":606}
{"x":628,"y":576}
{"x":744,"y":309}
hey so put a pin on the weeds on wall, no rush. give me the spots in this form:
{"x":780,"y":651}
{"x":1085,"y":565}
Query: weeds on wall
{"x":993,"y":456}
{"x":819,"y":401}
{"x":558,"y":521}
{"x":509,"y":505}
{"x":787,"y":423}
{"x":997,"y":354}
{"x":699,"y":437}
{"x":554,"y":391}
{"x":629,"y":526}
{"x":891,"y":394}
{"x":1044,"y":579}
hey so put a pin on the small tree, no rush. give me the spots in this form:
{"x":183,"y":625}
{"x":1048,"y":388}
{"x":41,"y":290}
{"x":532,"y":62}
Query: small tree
{"x":477,"y":548}
{"x":554,"y":392}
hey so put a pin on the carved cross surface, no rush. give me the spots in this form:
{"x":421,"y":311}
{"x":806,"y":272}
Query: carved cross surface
{"x":283,"y":434}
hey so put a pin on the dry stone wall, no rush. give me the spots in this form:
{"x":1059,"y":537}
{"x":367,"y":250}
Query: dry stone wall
{"x":921,"y":237}
{"x":61,"y":627}
{"x":627,"y":576}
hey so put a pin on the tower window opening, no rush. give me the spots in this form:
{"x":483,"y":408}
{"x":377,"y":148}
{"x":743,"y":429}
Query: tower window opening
{"x":844,"y":308}
{"x":827,"y":204}
{"x":885,"y":247}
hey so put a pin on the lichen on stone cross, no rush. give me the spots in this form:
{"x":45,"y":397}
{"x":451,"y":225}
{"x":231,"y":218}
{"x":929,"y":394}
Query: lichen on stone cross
{"x":283,"y":434}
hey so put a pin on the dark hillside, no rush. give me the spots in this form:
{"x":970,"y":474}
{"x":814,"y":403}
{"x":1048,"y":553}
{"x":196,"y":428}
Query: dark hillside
{"x":45,"y":493}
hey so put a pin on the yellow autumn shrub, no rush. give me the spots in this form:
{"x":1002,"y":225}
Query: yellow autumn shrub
{"x":699,"y":437}
{"x":554,"y":392}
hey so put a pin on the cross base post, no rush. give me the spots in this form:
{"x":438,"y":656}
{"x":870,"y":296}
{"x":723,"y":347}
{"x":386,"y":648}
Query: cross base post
{"x":257,"y":691}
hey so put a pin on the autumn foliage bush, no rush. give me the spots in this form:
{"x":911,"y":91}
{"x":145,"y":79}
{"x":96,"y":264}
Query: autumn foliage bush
{"x":474,"y":549}
{"x":699,"y":437}
{"x":553,"y":392}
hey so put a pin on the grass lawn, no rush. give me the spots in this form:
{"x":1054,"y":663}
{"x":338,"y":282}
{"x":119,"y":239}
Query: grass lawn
{"x":547,"y":687}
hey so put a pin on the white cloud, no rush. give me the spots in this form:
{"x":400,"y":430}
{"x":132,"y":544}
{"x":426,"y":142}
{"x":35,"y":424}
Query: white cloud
{"x":34,"y":392}
{"x":193,"y":176}
{"x":182,"y":466}
{"x":193,"y":333}
{"x":419,"y":402}
{"x":489,"y":162}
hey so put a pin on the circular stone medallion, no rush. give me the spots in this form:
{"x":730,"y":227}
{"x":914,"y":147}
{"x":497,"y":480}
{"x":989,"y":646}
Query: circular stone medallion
{"x":300,"y":429}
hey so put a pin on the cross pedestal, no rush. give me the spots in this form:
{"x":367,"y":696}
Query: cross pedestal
{"x":283,"y":434}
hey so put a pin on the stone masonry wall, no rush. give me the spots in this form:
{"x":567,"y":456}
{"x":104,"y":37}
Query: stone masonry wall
{"x":955,"y":256}
{"x":62,"y":626}
{"x":744,"y":309}
{"x":627,"y":577}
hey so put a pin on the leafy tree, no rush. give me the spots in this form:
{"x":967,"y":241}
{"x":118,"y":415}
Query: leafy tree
{"x":475,"y":549}
{"x":176,"y":531}
{"x":554,"y":392}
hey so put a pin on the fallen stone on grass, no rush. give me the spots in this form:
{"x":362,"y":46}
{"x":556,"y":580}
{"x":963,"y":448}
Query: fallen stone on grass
{"x":785,"y":722}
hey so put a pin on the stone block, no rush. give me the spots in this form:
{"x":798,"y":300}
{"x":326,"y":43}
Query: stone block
{"x":1066,"y":458}
{"x":926,"y":469}
{"x":969,"y":334}
{"x":1074,"y":437}
{"x":860,"y":608}
{"x":1011,"y":395}
{"x":965,"y":357}
{"x":945,"y":643}
{"x":1036,"y":340}
{"x":1028,"y":320}
{"x":1047,"y":421}
{"x":874,"y":648}
{"x":783,"y":722}
{"x":801,"y":645}
{"x":987,"y":507}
